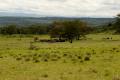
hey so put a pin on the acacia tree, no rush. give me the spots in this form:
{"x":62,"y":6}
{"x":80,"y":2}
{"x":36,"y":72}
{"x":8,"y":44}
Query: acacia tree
{"x":57,"y":30}
{"x":68,"y":30}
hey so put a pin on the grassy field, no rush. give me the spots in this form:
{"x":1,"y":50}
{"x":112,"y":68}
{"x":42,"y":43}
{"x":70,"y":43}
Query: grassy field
{"x":95,"y":58}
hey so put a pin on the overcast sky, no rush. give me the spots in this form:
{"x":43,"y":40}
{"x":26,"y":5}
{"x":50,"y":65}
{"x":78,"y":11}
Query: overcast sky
{"x":68,"y":8}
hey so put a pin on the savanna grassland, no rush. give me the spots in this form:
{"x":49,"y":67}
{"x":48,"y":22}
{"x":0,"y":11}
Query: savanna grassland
{"x":95,"y":58}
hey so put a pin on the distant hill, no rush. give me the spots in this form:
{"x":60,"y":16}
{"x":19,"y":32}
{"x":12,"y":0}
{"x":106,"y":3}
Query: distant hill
{"x":33,"y":20}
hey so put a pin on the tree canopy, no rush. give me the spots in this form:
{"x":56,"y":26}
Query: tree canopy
{"x":69,"y":30}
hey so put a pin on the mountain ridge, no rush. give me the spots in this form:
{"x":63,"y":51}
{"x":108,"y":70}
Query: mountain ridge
{"x":47,"y":20}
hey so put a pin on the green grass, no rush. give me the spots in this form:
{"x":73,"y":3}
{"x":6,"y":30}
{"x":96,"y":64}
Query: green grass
{"x":91,"y":59}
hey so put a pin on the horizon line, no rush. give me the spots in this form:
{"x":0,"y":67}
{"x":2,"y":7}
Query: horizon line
{"x":55,"y":17}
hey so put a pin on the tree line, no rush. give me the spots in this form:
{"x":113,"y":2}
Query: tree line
{"x":31,"y":29}
{"x":62,"y":30}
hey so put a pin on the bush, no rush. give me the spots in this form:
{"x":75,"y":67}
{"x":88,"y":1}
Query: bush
{"x":87,"y":58}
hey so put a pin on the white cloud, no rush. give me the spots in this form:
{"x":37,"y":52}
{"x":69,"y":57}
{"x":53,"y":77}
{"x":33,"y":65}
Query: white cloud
{"x":74,"y":8}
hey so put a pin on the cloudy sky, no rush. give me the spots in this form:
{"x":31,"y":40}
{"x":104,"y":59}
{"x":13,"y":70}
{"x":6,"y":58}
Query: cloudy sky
{"x":68,"y":8}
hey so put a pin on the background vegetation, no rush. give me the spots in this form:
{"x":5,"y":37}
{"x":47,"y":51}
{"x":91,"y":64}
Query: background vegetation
{"x":29,"y":53}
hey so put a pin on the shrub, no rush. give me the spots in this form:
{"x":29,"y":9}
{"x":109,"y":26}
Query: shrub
{"x":45,"y":60}
{"x":87,"y":58}
{"x":27,"y":59}
{"x":45,"y":75}
{"x":18,"y":58}
{"x":1,"y":57}
{"x":79,"y":57}
{"x":36,"y":61}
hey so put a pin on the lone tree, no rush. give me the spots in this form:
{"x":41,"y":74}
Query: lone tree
{"x":117,"y":23}
{"x":68,"y":30}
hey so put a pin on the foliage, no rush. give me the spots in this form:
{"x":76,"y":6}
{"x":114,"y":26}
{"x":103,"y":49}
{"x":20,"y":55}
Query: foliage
{"x":69,"y":30}
{"x":11,"y":29}
{"x":117,"y":23}
{"x":31,"y":29}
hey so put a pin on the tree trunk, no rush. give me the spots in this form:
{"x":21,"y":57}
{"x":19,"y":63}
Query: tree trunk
{"x":71,"y":40}
{"x":78,"y":37}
